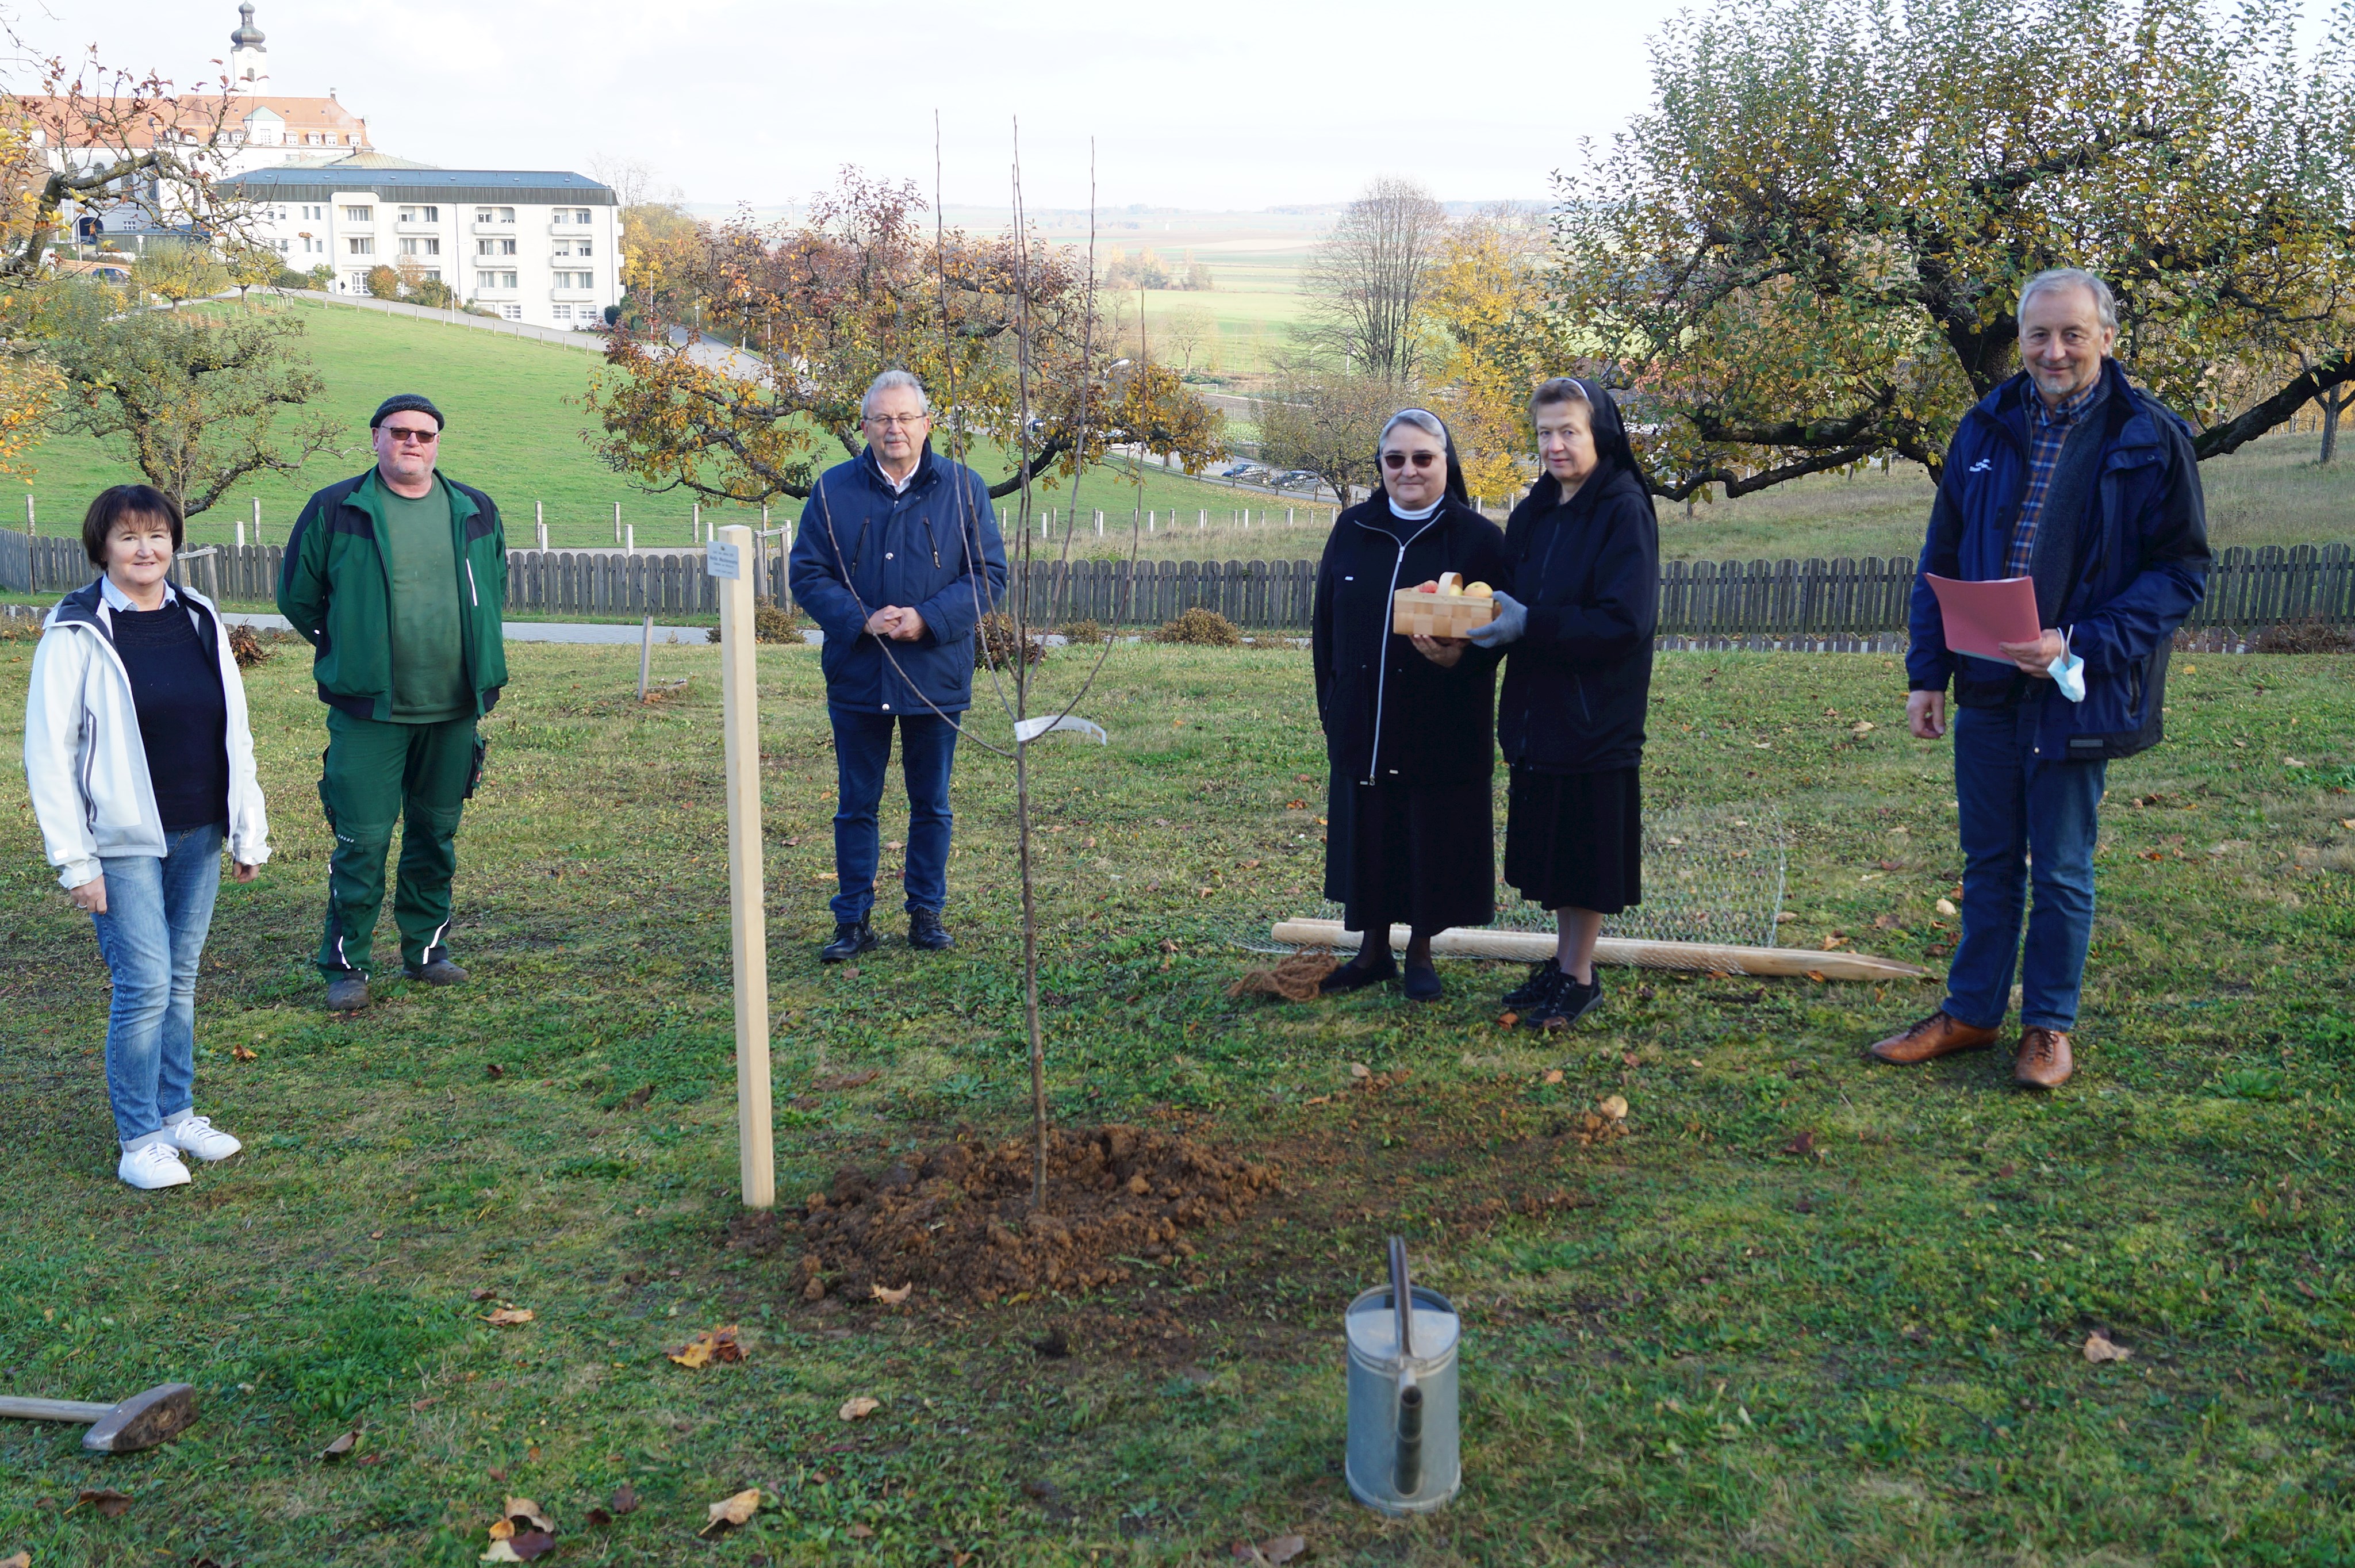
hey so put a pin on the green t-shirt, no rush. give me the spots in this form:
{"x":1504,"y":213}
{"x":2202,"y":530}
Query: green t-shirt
{"x":429,"y":664}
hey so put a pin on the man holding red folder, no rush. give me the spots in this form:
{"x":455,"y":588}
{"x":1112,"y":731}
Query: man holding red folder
{"x":2070,"y":476}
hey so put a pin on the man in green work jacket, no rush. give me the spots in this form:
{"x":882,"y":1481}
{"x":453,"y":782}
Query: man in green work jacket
{"x":396,"y":578}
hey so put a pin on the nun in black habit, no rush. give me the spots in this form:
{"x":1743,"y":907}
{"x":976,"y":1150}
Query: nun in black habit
{"x":1408,"y":721}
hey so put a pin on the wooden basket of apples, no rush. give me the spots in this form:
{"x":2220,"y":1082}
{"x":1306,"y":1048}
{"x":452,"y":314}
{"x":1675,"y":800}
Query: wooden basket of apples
{"x":1444,"y":608}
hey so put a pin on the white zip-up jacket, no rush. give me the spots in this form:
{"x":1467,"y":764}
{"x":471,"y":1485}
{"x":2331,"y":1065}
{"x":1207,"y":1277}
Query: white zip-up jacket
{"x":84,"y":760}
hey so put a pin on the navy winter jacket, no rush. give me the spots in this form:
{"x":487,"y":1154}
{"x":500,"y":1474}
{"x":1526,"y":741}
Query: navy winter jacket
{"x":1577,"y":682}
{"x":2141,"y":568}
{"x":934,"y":547}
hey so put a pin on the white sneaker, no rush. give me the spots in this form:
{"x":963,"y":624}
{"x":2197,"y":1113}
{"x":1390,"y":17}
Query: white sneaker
{"x":199,"y":1136}
{"x":152,"y":1165}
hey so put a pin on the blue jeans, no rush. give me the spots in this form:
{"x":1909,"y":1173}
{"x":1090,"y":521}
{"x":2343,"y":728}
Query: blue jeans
{"x":152,"y":934}
{"x":2021,"y":815}
{"x":862,"y":746}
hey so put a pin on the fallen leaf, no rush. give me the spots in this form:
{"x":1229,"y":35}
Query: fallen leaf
{"x":1947,"y":908}
{"x":106,"y":1500}
{"x":1282,"y":1549}
{"x":625,"y":1498}
{"x":1884,"y":921}
{"x":596,"y":1518}
{"x":1613,"y":1106}
{"x":636,"y":1098}
{"x":483,"y":1295}
{"x":1507,"y":1020}
{"x":1360,"y":1070}
{"x":2098,"y":1348}
{"x":1055,"y":1346}
{"x":508,"y":1317}
{"x":1816,"y":976}
{"x":531,"y":1543}
{"x":500,"y":1552}
{"x":859,"y":1405}
{"x":859,"y":1532}
{"x":494,"y":1070}
{"x":1805,"y":1143}
{"x":847,"y":1080}
{"x":1862,"y":727}
{"x":236,"y":1053}
{"x":527,"y":1511}
{"x":21,"y":1560}
{"x":1553,"y":1075}
{"x":733,"y":1510}
{"x":1326,"y":1099}
{"x":1893,"y":865}
{"x":893,"y":1297}
{"x":341,"y":1445}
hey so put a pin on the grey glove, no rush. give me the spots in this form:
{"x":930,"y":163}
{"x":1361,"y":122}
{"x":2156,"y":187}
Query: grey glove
{"x":1512,"y":620}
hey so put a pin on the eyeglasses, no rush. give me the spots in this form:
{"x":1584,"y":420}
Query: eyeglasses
{"x":905,"y":421}
{"x":401,"y":432}
{"x":1395,"y":461}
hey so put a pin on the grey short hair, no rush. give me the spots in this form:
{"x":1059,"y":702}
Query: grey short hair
{"x":2106,"y":304}
{"x":1558,"y":390}
{"x":891,"y":381}
{"x":1423,"y":419}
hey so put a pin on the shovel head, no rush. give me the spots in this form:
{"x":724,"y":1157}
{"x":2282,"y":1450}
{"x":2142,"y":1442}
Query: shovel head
{"x":158,"y":1415}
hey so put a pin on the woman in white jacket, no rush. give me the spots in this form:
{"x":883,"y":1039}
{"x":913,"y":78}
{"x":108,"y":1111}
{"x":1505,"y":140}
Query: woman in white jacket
{"x":141,"y":766}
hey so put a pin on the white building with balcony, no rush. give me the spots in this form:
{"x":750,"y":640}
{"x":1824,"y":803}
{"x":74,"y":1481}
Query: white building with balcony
{"x":537,"y":246}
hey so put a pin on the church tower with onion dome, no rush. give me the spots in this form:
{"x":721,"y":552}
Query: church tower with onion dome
{"x":248,"y":61}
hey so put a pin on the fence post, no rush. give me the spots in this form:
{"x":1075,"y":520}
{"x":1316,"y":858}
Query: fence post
{"x":32,"y":524}
{"x":257,"y":521}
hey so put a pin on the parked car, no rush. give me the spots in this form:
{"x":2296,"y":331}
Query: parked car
{"x":1297,"y":479}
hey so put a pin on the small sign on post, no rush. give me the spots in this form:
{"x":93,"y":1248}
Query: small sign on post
{"x":747,"y":922}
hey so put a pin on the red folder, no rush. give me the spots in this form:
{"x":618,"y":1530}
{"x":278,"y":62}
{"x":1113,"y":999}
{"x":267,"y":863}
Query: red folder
{"x":1978,"y":615}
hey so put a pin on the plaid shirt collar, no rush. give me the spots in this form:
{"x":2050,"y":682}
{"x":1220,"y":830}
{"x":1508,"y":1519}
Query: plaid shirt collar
{"x":2070,"y":409}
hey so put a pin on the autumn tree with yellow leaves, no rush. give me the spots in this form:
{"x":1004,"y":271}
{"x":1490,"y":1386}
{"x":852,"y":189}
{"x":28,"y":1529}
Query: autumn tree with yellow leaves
{"x":991,"y":324}
{"x":1809,"y":249}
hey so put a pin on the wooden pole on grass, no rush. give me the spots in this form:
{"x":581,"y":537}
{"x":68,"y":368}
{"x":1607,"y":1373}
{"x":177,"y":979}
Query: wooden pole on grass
{"x":727,"y":560}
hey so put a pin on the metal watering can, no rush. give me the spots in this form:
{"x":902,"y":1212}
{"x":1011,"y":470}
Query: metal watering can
{"x":1403,"y":1439}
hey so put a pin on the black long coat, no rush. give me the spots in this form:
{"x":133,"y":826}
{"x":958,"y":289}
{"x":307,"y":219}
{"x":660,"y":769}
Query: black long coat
{"x":1390,"y":714}
{"x":1577,"y":682}
{"x":1410,"y":832}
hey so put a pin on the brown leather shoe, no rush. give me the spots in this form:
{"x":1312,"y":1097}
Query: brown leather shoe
{"x":1940,"y":1034}
{"x":2044,"y":1060}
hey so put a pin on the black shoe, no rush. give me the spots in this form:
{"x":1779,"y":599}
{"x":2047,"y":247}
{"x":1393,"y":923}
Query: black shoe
{"x":1534,"y":989}
{"x":1352,"y":976}
{"x":1423,"y":984}
{"x":347,"y":992}
{"x":440,"y":972}
{"x":1565,"y":1005}
{"x":925,"y":931}
{"x":851,"y":938}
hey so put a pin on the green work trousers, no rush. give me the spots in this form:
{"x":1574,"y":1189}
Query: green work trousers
{"x":378,"y":774}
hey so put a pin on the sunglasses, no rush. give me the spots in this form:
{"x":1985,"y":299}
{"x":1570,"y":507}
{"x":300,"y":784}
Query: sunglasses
{"x":401,"y":432}
{"x":1395,"y":461}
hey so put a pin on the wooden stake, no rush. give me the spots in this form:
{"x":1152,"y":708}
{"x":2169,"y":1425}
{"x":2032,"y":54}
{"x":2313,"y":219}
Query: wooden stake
{"x":1536,"y":946}
{"x":748,"y":930}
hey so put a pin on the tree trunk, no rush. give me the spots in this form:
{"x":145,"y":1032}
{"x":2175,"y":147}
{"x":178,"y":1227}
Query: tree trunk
{"x":2333,"y":402}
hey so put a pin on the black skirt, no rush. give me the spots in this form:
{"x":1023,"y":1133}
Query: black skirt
{"x":1421,"y":855}
{"x":1576,"y":840}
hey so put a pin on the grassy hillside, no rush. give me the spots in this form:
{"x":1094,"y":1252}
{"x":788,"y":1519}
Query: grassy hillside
{"x":516,"y":416}
{"x":515,"y":413}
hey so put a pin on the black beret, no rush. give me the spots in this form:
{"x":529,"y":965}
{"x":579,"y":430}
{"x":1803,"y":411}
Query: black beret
{"x":406,"y":402}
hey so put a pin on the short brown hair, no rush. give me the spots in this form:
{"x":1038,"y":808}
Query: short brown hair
{"x":126,"y":501}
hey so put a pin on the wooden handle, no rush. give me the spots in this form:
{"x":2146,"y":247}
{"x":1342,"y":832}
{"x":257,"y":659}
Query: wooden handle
{"x":51,"y":1409}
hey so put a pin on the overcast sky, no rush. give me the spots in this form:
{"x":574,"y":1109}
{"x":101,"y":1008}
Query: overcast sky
{"x":1238,"y":106}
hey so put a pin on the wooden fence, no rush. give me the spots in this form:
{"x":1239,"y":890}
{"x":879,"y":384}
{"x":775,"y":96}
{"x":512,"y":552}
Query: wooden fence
{"x":1703,"y":601}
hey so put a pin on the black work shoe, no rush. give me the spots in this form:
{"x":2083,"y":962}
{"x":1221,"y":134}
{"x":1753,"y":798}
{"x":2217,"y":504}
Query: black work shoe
{"x":437,"y":972}
{"x":347,"y":992}
{"x":1352,"y":975}
{"x":925,"y":931}
{"x":1423,"y":984}
{"x":1567,"y":1003}
{"x":851,"y":938}
{"x":1533,"y":989}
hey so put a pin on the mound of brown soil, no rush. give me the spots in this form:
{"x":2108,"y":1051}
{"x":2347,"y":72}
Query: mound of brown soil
{"x":957,"y":1221}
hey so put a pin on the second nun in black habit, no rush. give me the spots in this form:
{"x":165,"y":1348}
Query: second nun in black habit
{"x":1407,"y":719}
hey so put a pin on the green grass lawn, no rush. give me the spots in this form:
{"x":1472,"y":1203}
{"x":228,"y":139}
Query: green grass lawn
{"x":1713,"y":1350}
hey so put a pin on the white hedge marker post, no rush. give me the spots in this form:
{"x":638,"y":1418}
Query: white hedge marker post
{"x":725,"y":559}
